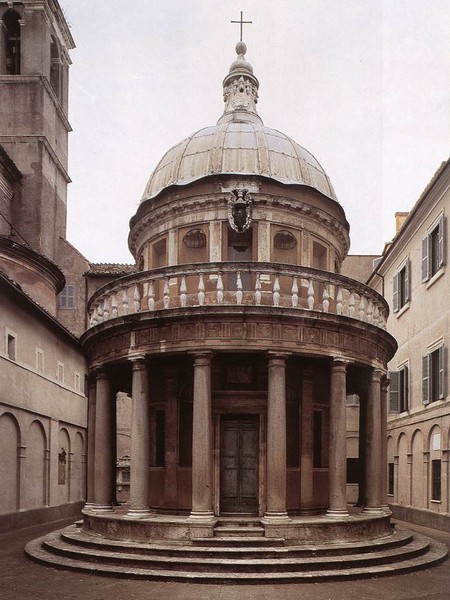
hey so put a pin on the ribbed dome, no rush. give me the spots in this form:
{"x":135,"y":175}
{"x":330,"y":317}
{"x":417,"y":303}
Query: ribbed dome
{"x":239,"y":144}
{"x":238,"y":148}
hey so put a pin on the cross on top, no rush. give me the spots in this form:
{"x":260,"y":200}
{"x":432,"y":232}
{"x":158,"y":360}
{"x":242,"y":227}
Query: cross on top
{"x":241,"y":22}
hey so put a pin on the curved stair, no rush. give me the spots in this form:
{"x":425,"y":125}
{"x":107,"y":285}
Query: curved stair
{"x":220,"y":559}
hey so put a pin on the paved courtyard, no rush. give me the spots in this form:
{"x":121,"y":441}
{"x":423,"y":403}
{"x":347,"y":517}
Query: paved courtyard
{"x":21,"y":579}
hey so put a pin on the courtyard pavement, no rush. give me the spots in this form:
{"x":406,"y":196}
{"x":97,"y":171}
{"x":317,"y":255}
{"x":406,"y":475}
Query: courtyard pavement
{"x":21,"y":579}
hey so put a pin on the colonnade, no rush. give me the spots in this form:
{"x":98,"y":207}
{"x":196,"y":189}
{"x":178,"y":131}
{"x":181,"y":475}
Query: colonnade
{"x":101,"y":441}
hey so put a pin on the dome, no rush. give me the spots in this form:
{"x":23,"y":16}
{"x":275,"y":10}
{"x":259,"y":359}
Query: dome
{"x":239,"y":144}
{"x":238,"y":148}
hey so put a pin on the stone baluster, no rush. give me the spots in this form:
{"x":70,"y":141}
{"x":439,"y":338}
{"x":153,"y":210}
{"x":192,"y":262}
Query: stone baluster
{"x":376,"y":314}
{"x":100,"y":310}
{"x":114,"y":308}
{"x":339,"y":302}
{"x":125,"y":300}
{"x":136,"y":299}
{"x":94,"y":316}
{"x":219,"y":289}
{"x":370,"y":312}
{"x":201,"y":289}
{"x":294,"y":292}
{"x":362,"y":308}
{"x":151,"y":295}
{"x":325,"y":299}
{"x":351,"y":305}
{"x":166,"y":293}
{"x":276,"y":291}
{"x":311,"y":299}
{"x":239,"y":293}
{"x":183,"y":290}
{"x":106,"y":308}
{"x":258,"y":289}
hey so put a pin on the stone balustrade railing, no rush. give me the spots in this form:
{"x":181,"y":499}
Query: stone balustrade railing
{"x":238,"y":284}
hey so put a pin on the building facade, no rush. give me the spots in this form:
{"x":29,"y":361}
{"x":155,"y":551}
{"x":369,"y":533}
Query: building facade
{"x":43,"y":404}
{"x":413,"y":277}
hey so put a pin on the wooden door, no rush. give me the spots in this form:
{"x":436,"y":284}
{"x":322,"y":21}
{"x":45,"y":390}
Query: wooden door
{"x":239,"y":464}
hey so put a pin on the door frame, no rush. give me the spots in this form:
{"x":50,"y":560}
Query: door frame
{"x":257,"y":411}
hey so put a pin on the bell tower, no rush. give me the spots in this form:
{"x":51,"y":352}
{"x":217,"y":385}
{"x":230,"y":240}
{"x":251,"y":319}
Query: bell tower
{"x":35,"y":41}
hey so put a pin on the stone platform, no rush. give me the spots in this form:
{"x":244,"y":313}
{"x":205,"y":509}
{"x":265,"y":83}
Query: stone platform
{"x":239,"y":550}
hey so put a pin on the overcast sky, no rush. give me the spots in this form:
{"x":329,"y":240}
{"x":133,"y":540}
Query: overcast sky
{"x":362,"y":84}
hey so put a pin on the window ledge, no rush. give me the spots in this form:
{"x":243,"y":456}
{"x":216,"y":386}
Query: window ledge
{"x":403,"y":309}
{"x":436,"y":276}
{"x":436,"y":501}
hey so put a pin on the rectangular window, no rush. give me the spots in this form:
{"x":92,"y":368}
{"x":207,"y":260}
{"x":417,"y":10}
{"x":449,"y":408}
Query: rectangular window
{"x":436,"y":480}
{"x":399,"y":390}
{"x":390,"y":479}
{"x":67,"y":297}
{"x":317,"y":432}
{"x":433,"y":376}
{"x":11,"y":346}
{"x":160,"y":438}
{"x":39,"y":360}
{"x":433,"y":250}
{"x":401,"y":287}
{"x":60,"y":372}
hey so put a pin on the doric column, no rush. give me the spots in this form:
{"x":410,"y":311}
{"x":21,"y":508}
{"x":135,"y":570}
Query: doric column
{"x":276,"y":438}
{"x":373,"y":443}
{"x":202,"y":464}
{"x":307,"y":445}
{"x":140,"y":447}
{"x":383,"y":446}
{"x":90,"y":488}
{"x":337,"y":469}
{"x":171,"y":450}
{"x":104,"y":443}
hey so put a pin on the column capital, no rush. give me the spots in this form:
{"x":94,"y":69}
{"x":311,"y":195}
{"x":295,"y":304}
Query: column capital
{"x":278,"y":357}
{"x":137,"y":362}
{"x":377,"y":375}
{"x":202,"y":358}
{"x":99,"y":372}
{"x":340,"y":363}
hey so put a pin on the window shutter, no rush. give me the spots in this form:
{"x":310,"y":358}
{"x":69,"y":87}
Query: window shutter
{"x":425,"y":265}
{"x":405,"y":388}
{"x":394,"y":392}
{"x":407,"y":280}
{"x":441,"y":354}
{"x":426,"y":379}
{"x":441,"y":238}
{"x":395,"y":302}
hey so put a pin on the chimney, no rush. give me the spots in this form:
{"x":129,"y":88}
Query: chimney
{"x":400,"y":218}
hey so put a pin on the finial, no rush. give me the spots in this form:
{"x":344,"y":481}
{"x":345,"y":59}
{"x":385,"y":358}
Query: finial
{"x":241,"y":23}
{"x":241,"y":48}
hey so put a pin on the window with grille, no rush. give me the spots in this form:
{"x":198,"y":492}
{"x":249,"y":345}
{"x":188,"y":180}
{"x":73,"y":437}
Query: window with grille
{"x":67,"y":297}
{"x":390,"y":479}
{"x":436,"y":480}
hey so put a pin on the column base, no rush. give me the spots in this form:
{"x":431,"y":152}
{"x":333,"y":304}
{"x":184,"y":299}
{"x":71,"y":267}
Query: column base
{"x":337,"y":513}
{"x":89,"y":506}
{"x":273,"y":516}
{"x":138,"y":513}
{"x":103,"y":508}
{"x":373,"y":510}
{"x":204,"y":516}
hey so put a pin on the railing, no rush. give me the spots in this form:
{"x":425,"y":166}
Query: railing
{"x":238,"y":284}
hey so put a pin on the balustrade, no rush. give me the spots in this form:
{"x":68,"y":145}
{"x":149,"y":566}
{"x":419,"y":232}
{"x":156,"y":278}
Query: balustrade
{"x":240,"y":284}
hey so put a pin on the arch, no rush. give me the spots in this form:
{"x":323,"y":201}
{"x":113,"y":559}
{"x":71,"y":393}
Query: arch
{"x":403,"y":477}
{"x":77,"y":491}
{"x":435,"y":429}
{"x":12,"y":41}
{"x":417,"y":470}
{"x":9,"y":463}
{"x":64,"y":465}
{"x":35,"y":472}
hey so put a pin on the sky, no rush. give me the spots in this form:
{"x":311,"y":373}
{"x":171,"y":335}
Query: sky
{"x":362,"y":84}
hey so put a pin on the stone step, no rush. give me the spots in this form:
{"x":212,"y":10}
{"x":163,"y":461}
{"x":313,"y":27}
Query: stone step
{"x":237,"y":531}
{"x":57,"y":546}
{"x":436,"y":553}
{"x":229,"y":548}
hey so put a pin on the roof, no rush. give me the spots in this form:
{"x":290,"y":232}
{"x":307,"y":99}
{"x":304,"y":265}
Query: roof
{"x":105,"y":269}
{"x":238,"y":148}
